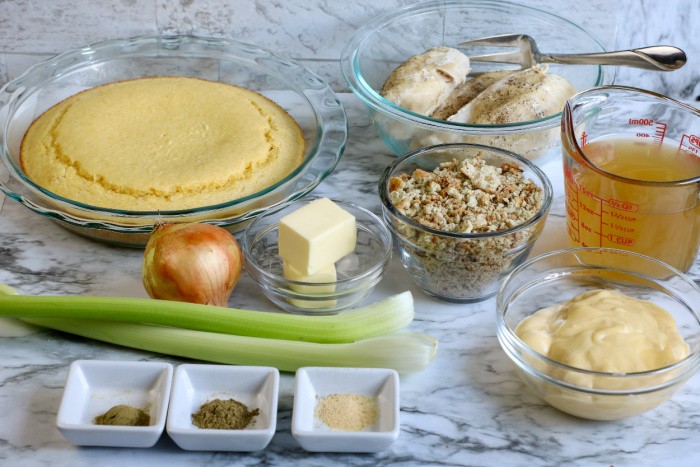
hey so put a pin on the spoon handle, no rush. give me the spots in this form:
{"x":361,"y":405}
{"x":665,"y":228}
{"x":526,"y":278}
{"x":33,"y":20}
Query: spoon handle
{"x":658,"y":58}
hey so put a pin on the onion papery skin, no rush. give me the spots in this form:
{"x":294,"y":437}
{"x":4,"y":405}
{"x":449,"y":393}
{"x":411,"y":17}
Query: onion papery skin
{"x":195,"y":263}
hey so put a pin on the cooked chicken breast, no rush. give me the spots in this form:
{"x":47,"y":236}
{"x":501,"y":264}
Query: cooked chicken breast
{"x":423,"y":82}
{"x":466,"y":92}
{"x":522,"y":96}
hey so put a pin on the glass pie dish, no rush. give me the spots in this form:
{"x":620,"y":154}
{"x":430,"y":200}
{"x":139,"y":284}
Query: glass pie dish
{"x":307,"y":98}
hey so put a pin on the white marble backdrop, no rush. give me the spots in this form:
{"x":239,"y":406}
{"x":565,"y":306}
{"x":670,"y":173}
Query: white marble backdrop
{"x":671,"y":22}
{"x":315,"y":31}
{"x":468,"y":408}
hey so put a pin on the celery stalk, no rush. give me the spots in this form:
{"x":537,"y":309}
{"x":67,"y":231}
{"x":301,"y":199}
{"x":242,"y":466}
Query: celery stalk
{"x":7,"y":290}
{"x":404,"y":352}
{"x":383,"y":317}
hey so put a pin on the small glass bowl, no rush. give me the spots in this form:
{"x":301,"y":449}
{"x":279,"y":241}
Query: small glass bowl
{"x":556,"y":277}
{"x":303,"y":95}
{"x":380,"y":46}
{"x":357,"y":272}
{"x":461,"y":267}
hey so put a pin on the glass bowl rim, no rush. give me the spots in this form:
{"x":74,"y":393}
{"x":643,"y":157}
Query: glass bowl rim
{"x":507,"y":336}
{"x":581,"y":98}
{"x":369,"y":96}
{"x":380,"y":231}
{"x":387,"y":205}
{"x":166,"y":43}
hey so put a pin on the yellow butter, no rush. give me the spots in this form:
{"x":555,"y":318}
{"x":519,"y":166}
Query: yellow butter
{"x":326,"y":276}
{"x":316,"y":236}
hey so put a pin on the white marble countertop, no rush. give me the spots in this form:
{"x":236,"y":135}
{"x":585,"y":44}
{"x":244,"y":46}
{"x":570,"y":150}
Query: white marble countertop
{"x":467,"y":408}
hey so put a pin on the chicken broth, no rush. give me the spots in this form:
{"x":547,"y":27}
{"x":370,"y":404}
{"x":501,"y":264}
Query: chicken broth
{"x":658,"y":220}
{"x":639,"y":160}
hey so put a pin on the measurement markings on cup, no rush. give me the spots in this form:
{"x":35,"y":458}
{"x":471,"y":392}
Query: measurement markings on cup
{"x":597,"y":218}
{"x":571,"y":201}
{"x":690,"y":143}
{"x":660,"y":132}
{"x":631,"y":164}
{"x":657,"y":135}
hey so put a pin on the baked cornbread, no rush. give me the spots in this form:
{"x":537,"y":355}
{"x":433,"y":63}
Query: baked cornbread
{"x":162,"y":143}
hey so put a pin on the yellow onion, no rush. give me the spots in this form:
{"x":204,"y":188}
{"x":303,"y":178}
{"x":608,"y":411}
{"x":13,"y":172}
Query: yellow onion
{"x":196,"y":263}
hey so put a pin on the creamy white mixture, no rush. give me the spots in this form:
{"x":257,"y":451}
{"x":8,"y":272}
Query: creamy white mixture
{"x":605,"y":331}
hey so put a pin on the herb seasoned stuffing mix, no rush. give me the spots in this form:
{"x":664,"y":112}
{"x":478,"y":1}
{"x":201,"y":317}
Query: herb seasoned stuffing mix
{"x":468,"y":197}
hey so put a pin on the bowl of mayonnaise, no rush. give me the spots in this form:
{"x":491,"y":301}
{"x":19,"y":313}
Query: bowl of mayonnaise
{"x":598,"y":333}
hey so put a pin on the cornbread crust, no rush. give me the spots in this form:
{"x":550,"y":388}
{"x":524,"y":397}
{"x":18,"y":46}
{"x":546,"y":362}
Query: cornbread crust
{"x":163,"y":143}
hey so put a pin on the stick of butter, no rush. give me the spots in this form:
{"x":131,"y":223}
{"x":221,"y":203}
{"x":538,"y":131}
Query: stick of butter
{"x":326,"y":275}
{"x":316,"y":236}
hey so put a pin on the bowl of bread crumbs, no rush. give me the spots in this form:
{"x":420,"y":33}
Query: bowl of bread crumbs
{"x":463,"y":216}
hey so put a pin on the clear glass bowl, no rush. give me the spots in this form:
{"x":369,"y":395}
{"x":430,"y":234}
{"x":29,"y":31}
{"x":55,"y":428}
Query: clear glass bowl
{"x":558,"y":276}
{"x":302,"y":94}
{"x":377,"y":48}
{"x":357,"y":272}
{"x":461,"y":267}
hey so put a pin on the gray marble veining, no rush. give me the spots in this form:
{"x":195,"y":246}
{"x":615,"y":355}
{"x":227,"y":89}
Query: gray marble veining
{"x":648,"y":22}
{"x":468,"y":407}
{"x":313,"y":32}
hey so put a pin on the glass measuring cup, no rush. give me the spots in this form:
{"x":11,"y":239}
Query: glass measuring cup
{"x":632,"y":173}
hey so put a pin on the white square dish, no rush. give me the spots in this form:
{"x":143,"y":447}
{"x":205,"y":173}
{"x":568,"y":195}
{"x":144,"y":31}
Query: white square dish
{"x":314,"y":383}
{"x":195,"y":385}
{"x":95,"y":386}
